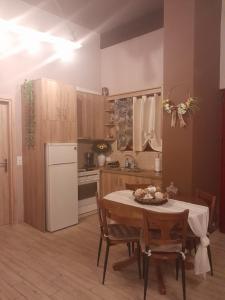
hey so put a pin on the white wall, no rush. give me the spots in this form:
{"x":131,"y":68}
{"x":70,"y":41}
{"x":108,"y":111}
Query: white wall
{"x":135,"y":64}
{"x":84,"y":71}
{"x":222,"y":49}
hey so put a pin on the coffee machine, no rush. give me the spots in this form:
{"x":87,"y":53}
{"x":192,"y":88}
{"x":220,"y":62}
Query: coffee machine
{"x":89,"y":160}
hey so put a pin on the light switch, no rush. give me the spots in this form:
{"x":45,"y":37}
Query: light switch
{"x":19,"y":161}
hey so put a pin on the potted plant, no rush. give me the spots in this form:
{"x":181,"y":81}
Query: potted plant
{"x":101,"y":148}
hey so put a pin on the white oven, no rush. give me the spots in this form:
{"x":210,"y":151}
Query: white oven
{"x":88,"y":186}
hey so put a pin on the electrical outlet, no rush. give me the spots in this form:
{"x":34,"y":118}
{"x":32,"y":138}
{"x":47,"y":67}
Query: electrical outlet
{"x":19,"y":161}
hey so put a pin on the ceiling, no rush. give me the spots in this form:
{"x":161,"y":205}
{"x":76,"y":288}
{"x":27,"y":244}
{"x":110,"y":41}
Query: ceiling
{"x":100,"y":15}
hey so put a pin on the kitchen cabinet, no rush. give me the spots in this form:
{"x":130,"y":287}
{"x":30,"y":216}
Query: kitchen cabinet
{"x":56,"y":101}
{"x":90,"y":116}
{"x":50,"y":115}
{"x":112,"y":180}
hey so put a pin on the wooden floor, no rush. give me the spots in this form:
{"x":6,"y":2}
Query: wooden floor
{"x":62,"y":265}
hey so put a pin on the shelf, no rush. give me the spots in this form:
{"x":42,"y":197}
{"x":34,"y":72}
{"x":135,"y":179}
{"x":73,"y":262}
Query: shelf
{"x":109,"y":110}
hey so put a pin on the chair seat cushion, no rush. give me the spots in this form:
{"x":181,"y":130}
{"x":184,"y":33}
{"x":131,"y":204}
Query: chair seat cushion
{"x":123,"y":232}
{"x":166,"y":248}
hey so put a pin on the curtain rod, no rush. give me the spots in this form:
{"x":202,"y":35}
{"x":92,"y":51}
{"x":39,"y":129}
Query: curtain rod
{"x":147,"y":92}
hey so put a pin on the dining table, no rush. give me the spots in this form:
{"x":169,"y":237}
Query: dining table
{"x":198,"y":219}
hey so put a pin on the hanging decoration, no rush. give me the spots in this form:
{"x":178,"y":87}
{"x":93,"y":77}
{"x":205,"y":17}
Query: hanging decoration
{"x":180,"y":110}
{"x":30,"y":112}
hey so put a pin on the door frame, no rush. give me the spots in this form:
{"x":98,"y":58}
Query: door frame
{"x":8,"y":102}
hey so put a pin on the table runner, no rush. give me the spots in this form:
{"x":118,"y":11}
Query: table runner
{"x":198,"y":219}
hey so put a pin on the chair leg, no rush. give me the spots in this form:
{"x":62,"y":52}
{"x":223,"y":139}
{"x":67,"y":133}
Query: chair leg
{"x":99,"y":250}
{"x":129,"y":249}
{"x":143,"y":265}
{"x":146,"y":263}
{"x":106,"y":261}
{"x":133,"y":248}
{"x":139,"y":259}
{"x":177,"y":268}
{"x":210,"y":259}
{"x":183,"y":278}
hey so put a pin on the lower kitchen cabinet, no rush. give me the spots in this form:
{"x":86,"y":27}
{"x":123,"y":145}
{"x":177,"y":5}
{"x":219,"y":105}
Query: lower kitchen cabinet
{"x":112,"y":181}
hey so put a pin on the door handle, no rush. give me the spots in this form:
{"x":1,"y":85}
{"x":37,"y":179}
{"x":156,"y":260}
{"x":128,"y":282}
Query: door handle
{"x":4,"y":164}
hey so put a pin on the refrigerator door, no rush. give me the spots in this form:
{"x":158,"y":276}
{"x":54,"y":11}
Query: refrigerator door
{"x":62,"y":196}
{"x":61,"y":153}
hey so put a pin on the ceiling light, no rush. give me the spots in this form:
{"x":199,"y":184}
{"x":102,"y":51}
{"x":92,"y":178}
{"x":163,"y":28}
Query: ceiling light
{"x":31,"y":39}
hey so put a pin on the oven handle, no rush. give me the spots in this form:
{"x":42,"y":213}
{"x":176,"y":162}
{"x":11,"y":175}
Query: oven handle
{"x":86,"y":182}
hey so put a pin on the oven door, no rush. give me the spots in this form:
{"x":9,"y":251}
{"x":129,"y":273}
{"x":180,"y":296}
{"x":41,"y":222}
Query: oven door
{"x":87,"y":190}
{"x":87,"y":196}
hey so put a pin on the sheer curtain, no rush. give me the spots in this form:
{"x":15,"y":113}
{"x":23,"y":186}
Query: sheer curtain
{"x":147,"y":118}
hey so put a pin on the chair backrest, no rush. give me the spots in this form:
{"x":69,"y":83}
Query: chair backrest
{"x":165,"y":228}
{"x":209,"y":200}
{"x":135,"y":186}
{"x":100,"y":213}
{"x":121,"y":214}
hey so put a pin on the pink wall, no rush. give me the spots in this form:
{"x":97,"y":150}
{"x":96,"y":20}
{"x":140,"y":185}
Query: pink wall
{"x":132,"y":65}
{"x":84,"y":71}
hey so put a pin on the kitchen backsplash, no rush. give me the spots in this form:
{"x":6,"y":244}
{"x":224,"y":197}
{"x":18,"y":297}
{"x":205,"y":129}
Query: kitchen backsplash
{"x":145,"y":160}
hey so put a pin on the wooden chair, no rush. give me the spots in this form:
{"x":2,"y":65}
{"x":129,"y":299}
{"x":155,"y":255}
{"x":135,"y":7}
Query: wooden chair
{"x":167,"y":243}
{"x":135,"y":186}
{"x":126,"y":230}
{"x":208,"y":200}
{"x":100,"y":218}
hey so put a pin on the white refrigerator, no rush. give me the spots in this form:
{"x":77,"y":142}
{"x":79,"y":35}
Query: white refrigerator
{"x":61,"y":185}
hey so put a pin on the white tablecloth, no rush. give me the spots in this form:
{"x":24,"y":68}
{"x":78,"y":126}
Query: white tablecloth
{"x":198,"y":219}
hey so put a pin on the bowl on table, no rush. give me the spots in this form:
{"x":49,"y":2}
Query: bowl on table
{"x":151,"y":196}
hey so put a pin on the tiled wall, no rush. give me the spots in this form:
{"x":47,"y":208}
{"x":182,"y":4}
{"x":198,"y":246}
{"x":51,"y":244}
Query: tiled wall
{"x":145,"y":160}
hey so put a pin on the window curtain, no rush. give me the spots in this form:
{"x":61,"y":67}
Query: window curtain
{"x":147,"y":115}
{"x":123,"y":114}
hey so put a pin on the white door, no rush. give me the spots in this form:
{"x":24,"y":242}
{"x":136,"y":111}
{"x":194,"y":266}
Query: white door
{"x":5,"y":207}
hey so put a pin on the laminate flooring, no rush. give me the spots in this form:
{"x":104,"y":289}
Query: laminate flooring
{"x":62,"y":266}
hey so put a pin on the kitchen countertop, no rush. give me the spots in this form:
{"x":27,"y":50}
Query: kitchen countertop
{"x":138,"y":172}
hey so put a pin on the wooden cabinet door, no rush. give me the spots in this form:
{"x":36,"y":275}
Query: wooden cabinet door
{"x":133,"y":180}
{"x":82,"y":123}
{"x":67,"y":103}
{"x":49,"y":96}
{"x":90,"y":116}
{"x":98,"y":117}
{"x":58,"y":101}
{"x":109,"y":183}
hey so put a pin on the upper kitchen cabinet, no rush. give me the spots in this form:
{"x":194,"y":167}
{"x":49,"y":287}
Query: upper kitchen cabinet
{"x":48,"y":116}
{"x":90,"y":116}
{"x":58,"y":101}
